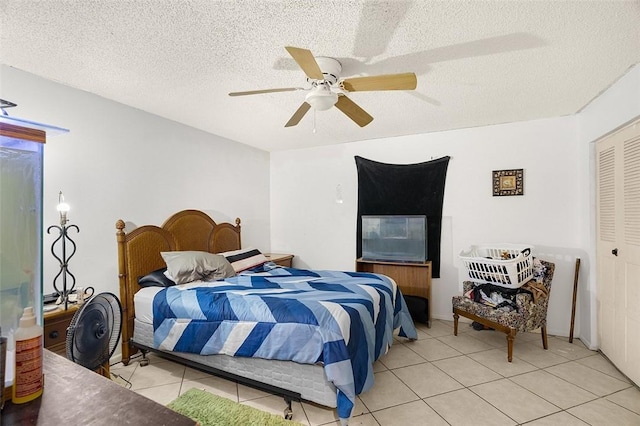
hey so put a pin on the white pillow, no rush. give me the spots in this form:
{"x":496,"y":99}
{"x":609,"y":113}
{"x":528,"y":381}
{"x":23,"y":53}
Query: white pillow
{"x":244,"y":259}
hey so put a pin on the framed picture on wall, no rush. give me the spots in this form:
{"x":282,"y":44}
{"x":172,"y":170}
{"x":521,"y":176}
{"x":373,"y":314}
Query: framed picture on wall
{"x":508,"y":182}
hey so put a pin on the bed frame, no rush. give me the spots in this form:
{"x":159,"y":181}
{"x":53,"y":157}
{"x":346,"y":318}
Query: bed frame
{"x":139,"y":254}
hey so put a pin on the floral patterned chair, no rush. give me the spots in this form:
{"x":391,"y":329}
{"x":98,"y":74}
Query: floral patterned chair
{"x":530,"y":313}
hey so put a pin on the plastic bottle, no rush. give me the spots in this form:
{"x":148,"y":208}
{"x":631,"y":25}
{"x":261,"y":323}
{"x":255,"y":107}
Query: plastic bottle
{"x":28,"y":379}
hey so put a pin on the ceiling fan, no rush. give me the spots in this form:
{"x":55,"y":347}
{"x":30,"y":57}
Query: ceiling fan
{"x":327,"y":89}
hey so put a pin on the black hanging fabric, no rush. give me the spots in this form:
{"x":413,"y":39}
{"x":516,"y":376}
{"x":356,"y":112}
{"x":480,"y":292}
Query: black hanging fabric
{"x":411,"y":189}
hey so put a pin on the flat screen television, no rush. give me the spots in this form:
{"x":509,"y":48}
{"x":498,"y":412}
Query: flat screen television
{"x":396,"y":238}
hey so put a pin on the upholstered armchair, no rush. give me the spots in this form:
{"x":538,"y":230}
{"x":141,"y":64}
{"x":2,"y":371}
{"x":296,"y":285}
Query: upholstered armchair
{"x":529,"y":314}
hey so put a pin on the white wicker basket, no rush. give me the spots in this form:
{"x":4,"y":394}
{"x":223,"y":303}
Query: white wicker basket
{"x":506,"y":265}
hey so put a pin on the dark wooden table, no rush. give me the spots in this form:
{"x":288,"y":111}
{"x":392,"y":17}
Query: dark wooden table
{"x":74,"y":395}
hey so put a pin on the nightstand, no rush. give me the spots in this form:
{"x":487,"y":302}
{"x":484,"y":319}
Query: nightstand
{"x":280,"y":259}
{"x":55,"y":328}
{"x":414,"y":279}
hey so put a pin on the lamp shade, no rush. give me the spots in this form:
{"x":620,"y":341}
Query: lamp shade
{"x":321,"y":100}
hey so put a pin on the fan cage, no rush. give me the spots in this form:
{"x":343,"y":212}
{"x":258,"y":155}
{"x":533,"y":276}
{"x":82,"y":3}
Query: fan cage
{"x":94,"y":331}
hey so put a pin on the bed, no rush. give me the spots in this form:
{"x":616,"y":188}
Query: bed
{"x":319,"y":379}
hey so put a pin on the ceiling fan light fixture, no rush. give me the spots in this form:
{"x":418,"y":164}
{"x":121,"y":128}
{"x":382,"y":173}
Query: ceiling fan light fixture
{"x":321,"y":100}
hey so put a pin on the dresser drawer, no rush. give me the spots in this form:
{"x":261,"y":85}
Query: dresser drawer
{"x":55,"y":329}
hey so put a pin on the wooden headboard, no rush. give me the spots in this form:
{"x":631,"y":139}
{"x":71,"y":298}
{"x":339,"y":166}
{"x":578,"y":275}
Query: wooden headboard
{"x":139,"y":254}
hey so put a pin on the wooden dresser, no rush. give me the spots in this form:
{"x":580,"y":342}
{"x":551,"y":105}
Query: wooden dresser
{"x":414,"y":279}
{"x":285,"y":260}
{"x":55,"y":328}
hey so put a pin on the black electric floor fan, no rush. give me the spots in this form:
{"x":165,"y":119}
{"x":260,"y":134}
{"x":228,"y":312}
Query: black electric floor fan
{"x":94,"y":332}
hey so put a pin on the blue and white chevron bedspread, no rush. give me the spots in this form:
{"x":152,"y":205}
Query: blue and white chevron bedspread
{"x":343,"y":319}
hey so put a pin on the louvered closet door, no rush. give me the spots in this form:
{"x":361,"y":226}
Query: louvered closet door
{"x":618,"y":251}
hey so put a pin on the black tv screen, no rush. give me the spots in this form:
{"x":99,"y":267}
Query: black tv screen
{"x":398,"y":238}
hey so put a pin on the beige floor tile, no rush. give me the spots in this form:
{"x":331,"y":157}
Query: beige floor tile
{"x":439,"y":328}
{"x":387,"y":391}
{"x":378,"y":366}
{"x":535,"y":354}
{"x":275,"y":405}
{"x":496,"y":339}
{"x":426,"y":380}
{"x":603,"y":365}
{"x":586,"y":378}
{"x":576,"y":341}
{"x":121,"y":381}
{"x":496,"y":360}
{"x":555,"y":390}
{"x":153,"y":358}
{"x":466,"y":371}
{"x":605,"y":413}
{"x":464,"y":408}
{"x":465,"y":343}
{"x":162,"y":394}
{"x":246,"y":393}
{"x":433,"y":349}
{"x":464,"y":325}
{"x":514,"y":401}
{"x":319,"y":415}
{"x":124,"y":371}
{"x":194,"y":374}
{"x":573,"y":351}
{"x":420,"y":325}
{"x":411,"y":413}
{"x":359,"y":408}
{"x":363,"y":420}
{"x":156,"y":374}
{"x":401,"y":356}
{"x":531,"y":336}
{"x":628,"y":398}
{"x":422,"y":334}
{"x":562,"y":418}
{"x":215,"y":385}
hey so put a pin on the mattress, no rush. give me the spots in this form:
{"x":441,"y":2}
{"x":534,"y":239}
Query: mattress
{"x":308,"y":380}
{"x":143,"y":302}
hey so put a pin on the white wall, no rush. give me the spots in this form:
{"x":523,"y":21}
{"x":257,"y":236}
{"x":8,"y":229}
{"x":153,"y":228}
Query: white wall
{"x":307,"y":221}
{"x":118,"y":162}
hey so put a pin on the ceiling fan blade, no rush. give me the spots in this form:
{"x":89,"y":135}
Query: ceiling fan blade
{"x":353,"y":111}
{"x":306,"y":61}
{"x":257,"y":92}
{"x":404,"y":81}
{"x":297,"y":116}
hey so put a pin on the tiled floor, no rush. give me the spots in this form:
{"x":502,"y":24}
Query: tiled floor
{"x":442,"y":379}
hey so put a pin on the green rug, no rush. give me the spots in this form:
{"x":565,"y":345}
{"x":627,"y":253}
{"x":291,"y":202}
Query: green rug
{"x":213,"y":410}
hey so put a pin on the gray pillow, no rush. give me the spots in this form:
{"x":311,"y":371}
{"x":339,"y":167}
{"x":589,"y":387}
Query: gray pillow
{"x":187,"y":266}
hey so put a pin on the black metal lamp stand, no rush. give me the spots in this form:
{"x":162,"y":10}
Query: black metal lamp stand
{"x":61,"y":243}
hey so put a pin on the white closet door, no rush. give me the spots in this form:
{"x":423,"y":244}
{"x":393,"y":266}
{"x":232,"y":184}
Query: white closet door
{"x":618,"y":251}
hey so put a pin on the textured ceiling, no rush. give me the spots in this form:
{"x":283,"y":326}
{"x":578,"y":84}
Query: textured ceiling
{"x":477,"y":62}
